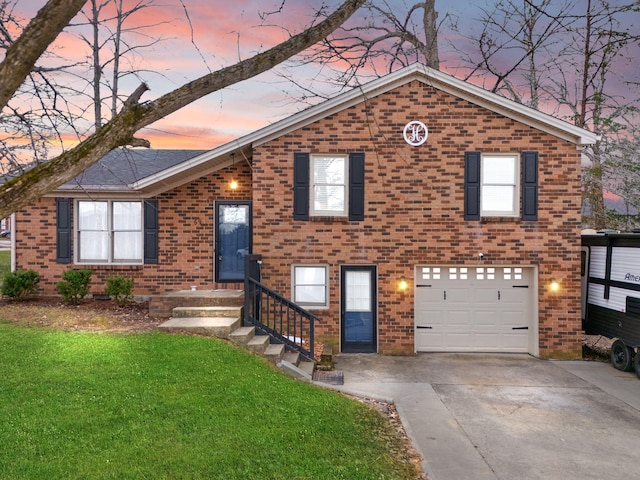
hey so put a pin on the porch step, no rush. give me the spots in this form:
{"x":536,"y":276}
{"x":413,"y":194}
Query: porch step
{"x":242,"y":335}
{"x":197,"y":311}
{"x":161,"y":306}
{"x":298,"y":369}
{"x":292,"y":357}
{"x":274,"y":352}
{"x":258,"y":344}
{"x":215,"y":326}
{"x":307,"y":367}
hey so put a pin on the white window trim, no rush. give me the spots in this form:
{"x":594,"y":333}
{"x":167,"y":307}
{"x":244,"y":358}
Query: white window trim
{"x":306,"y":305}
{"x":110,"y":261}
{"x":515,"y":211}
{"x":328,"y":213}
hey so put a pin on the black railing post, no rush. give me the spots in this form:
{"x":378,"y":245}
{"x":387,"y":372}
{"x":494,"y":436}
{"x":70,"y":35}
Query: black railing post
{"x":251,"y":272}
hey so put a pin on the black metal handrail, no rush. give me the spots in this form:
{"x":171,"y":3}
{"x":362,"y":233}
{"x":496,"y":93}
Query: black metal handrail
{"x":275,"y":315}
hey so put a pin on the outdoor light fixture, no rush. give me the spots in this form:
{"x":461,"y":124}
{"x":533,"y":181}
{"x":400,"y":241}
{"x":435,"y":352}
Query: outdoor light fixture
{"x":403,"y":285}
{"x":554,"y":286}
{"x":233,"y":184}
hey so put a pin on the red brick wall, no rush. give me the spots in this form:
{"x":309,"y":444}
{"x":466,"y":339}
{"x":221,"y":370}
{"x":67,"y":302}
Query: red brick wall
{"x":414,"y":210}
{"x":414,"y":201}
{"x":186,"y":221}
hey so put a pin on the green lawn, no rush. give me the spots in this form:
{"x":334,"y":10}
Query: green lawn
{"x":5,"y":263}
{"x":157,"y":406}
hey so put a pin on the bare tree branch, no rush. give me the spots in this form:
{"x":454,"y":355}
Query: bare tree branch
{"x":36,"y":37}
{"x":25,"y":189}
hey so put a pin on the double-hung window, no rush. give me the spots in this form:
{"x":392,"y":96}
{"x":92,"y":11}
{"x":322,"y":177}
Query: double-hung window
{"x":109,"y":232}
{"x":329,"y":189}
{"x":310,"y":285}
{"x":499,"y":185}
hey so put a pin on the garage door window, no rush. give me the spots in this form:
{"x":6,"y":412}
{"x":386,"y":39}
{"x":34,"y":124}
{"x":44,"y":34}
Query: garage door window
{"x":512,"y":273}
{"x":465,"y":273}
{"x":431,"y":273}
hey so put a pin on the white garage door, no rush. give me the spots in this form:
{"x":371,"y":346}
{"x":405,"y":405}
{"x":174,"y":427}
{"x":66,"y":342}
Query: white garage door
{"x":474,"y":309}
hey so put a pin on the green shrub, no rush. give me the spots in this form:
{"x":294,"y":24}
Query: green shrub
{"x":74,"y":285}
{"x":120,"y":289}
{"x":20,"y":284}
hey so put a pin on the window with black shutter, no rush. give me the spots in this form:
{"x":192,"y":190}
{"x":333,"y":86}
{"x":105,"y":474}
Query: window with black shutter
{"x":328,"y":186}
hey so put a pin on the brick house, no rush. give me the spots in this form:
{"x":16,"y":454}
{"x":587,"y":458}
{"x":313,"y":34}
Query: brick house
{"x":415,"y":213}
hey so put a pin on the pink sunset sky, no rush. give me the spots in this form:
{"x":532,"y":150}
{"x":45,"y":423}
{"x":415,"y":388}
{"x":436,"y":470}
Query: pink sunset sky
{"x":223,"y":33}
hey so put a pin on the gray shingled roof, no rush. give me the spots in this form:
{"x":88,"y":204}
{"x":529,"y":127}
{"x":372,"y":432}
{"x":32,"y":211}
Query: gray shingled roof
{"x":122,"y":167}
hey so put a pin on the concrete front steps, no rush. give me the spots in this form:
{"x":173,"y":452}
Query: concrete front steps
{"x":226,"y":322}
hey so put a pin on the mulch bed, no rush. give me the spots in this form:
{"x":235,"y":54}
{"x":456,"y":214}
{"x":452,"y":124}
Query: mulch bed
{"x":90,"y":314}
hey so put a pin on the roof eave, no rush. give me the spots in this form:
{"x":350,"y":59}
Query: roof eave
{"x":241,"y":148}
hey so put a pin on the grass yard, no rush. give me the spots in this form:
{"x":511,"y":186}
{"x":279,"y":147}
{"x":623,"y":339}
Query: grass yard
{"x":78,"y":405}
{"x":5,"y":263}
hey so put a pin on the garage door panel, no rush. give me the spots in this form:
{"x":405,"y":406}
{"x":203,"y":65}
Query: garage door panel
{"x":514,"y":295}
{"x":486,"y":318}
{"x":433,"y":317}
{"x":458,"y":340}
{"x":514,"y":319}
{"x":457,"y":296}
{"x":485,"y":295}
{"x":430,"y":294}
{"x":475,"y":309}
{"x":458,"y":318}
{"x":516,"y":342}
{"x":432,"y":340}
{"x":486,"y":342}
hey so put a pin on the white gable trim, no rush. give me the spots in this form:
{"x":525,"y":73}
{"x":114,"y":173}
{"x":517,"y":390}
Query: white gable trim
{"x":441,"y":81}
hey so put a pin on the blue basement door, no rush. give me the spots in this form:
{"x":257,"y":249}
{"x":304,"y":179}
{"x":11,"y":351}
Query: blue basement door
{"x":359,"y":307}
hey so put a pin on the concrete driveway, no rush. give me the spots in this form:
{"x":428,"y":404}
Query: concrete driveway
{"x":478,"y":416}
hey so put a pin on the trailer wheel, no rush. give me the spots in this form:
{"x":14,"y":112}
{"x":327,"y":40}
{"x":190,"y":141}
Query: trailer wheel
{"x":621,"y":356}
{"x":636,"y":363}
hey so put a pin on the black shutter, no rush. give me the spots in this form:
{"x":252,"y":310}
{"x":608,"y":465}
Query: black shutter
{"x":356,"y":186}
{"x":301,"y":186}
{"x":63,"y":230}
{"x":529,"y":185}
{"x":150,"y":231}
{"x":472,"y":186}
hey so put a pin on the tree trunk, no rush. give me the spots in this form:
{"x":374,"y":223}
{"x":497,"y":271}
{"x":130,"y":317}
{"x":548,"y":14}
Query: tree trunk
{"x":431,"y":35}
{"x":97,"y":71}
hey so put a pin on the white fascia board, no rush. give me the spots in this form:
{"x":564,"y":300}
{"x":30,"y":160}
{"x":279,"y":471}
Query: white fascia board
{"x":509,"y":108}
{"x":98,"y":193}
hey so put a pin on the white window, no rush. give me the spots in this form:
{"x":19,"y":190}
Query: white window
{"x":109,"y":232}
{"x":310,"y":285}
{"x":499,"y":192}
{"x":329,"y":185}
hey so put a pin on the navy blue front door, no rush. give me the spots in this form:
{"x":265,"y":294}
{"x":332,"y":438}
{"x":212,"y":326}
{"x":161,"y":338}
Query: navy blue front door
{"x":233,"y":240}
{"x":359,"y":309}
